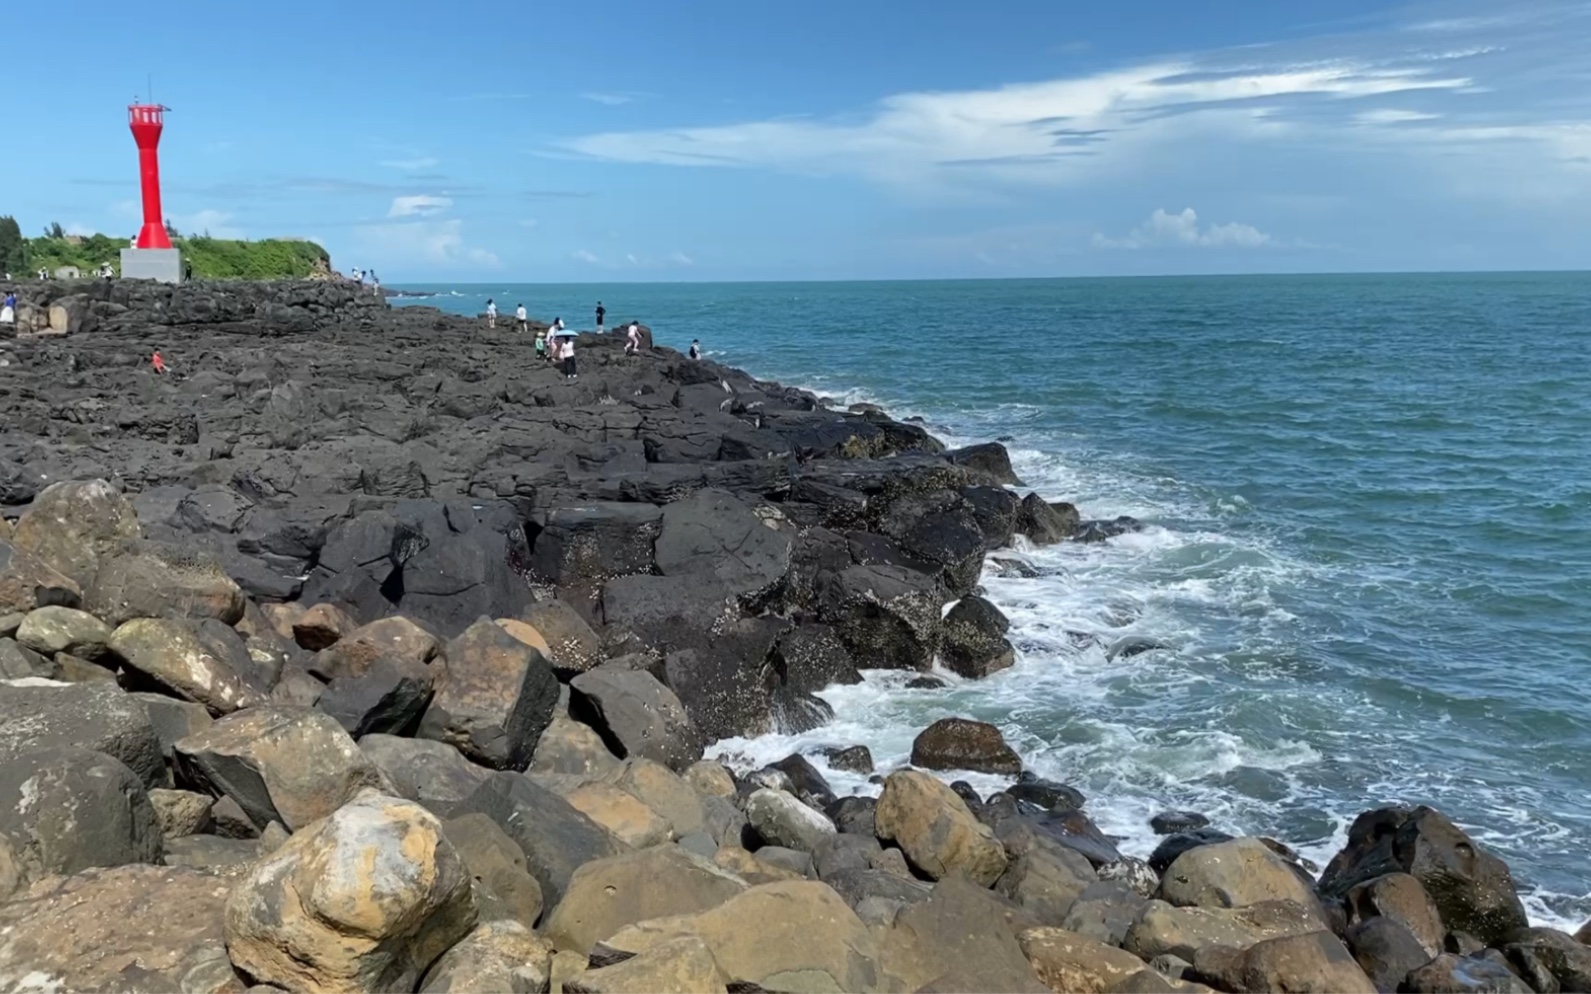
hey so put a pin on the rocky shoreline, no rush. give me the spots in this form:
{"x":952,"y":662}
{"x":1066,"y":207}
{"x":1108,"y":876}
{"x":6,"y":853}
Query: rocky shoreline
{"x":364,"y":652}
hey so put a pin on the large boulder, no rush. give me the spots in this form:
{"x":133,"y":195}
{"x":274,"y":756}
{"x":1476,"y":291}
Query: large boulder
{"x":74,"y":526}
{"x":159,"y":581}
{"x":97,"y":716}
{"x":578,"y":548}
{"x":681,"y":966}
{"x":65,"y":809}
{"x":795,"y":935}
{"x":396,"y":638}
{"x":974,"y":642}
{"x":810,"y":657}
{"x":53,"y":629}
{"x":1557,"y":954}
{"x":1400,"y":898}
{"x":941,"y":529}
{"x":503,"y":957}
{"x":624,"y":815}
{"x":665,"y":792}
{"x":964,"y":744}
{"x":28,"y":582}
{"x":711,"y":537}
{"x":177,"y":657}
{"x":782,"y":820}
{"x":365,"y":900}
{"x":1314,"y":963}
{"x":1046,"y":524}
{"x":1047,"y":881}
{"x":1104,"y":911}
{"x":1472,"y":889}
{"x":280,"y":764}
{"x":1066,"y":961}
{"x":636,"y":716}
{"x":504,"y":888}
{"x":154,"y":928}
{"x":989,"y":458}
{"x":606,"y":895}
{"x":556,"y":838}
{"x":961,"y":934}
{"x":932,"y":825}
{"x":432,"y":774}
{"x":1386,"y":951}
{"x":1164,"y":930}
{"x":568,"y":748}
{"x":571,"y":646}
{"x":1453,"y":974}
{"x":887,"y":616}
{"x":495,"y":697}
{"x":1233,"y":874}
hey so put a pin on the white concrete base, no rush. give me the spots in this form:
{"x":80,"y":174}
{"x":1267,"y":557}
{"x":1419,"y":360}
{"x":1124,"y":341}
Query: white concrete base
{"x":164,"y":265}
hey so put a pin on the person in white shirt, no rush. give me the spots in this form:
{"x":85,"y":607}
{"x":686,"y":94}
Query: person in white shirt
{"x":632,"y":339}
{"x":519,"y":315}
{"x":696,"y":348}
{"x":491,"y":313}
{"x":568,"y":354}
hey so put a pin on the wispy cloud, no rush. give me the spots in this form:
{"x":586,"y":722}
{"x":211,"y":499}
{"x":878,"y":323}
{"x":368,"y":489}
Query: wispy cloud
{"x":587,"y":257}
{"x":411,"y":165}
{"x":1164,"y":229}
{"x":679,"y":258}
{"x":432,"y":243}
{"x":1393,"y":115}
{"x":610,"y":98}
{"x":215,"y":223}
{"x":420,"y":205}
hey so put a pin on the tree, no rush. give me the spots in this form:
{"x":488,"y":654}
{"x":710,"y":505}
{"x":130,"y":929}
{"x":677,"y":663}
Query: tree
{"x":171,"y":230}
{"x":55,"y":231}
{"x":13,"y":249}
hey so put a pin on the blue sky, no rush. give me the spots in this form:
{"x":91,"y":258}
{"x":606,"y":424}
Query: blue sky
{"x":641,"y":140}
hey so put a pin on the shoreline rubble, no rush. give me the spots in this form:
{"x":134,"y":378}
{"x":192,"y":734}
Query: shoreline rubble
{"x":363,"y":651}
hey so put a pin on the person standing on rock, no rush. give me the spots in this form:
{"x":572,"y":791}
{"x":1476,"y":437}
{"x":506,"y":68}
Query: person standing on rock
{"x":157,"y":364}
{"x":491,"y":313}
{"x":601,"y":313}
{"x":541,"y":343}
{"x":520,"y":316}
{"x":632,"y":339}
{"x":375,"y":283}
{"x":8,"y":308}
{"x":696,"y":348}
{"x":567,"y":352}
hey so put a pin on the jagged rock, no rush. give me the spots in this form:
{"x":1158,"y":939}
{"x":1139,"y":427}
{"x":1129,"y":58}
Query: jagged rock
{"x":504,"y":888}
{"x":162,"y":582}
{"x":1472,"y":889}
{"x":887,"y":616}
{"x":322,"y":626}
{"x":1070,"y":962}
{"x":1046,"y":524}
{"x":229,"y":821}
{"x":1233,"y":874}
{"x":568,"y":748}
{"x":960,"y":933}
{"x":853,"y":759}
{"x":806,"y":782}
{"x":964,"y":744}
{"x":573,"y":646}
{"x":66,"y":809}
{"x":156,"y":927}
{"x":682,"y":966}
{"x":1173,"y":846}
{"x":855,"y":815}
{"x":636,"y":715}
{"x":503,"y":957}
{"x":624,"y":816}
{"x":774,"y":935}
{"x":74,"y":526}
{"x":974,"y":642}
{"x":1558,"y":955}
{"x":712,"y":537}
{"x":367,"y":899}
{"x":49,"y":630}
{"x":432,"y":774}
{"x":18,"y":662}
{"x":396,"y":638}
{"x":494,"y":698}
{"x":811,"y":657}
{"x":609,"y":894}
{"x":936,"y":831}
{"x":665,"y":792}
{"x":390,"y":697}
{"x":578,"y":548}
{"x":180,"y":812}
{"x":28,"y":582}
{"x":175,"y":656}
{"x":95,"y":716}
{"x":989,"y":458}
{"x":1401,"y":898}
{"x":556,"y":838}
{"x":278,"y":764}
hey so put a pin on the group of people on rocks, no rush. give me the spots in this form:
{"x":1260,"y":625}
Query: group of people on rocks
{"x":364,"y":277}
{"x":555,"y":343}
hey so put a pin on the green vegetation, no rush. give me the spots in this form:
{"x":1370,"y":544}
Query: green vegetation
{"x":211,"y":258}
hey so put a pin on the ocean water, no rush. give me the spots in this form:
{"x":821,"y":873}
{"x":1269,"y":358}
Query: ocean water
{"x":1368,"y":541}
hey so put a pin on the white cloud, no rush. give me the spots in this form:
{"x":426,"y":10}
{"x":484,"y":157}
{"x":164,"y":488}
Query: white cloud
{"x":418,"y":206}
{"x":587,"y":257}
{"x":679,"y":258}
{"x":611,"y":99}
{"x":1392,"y":115}
{"x":411,"y":243}
{"x":630,"y":257}
{"x":217,"y":224}
{"x":1165,"y":229}
{"x":78,"y":228}
{"x":411,"y":165}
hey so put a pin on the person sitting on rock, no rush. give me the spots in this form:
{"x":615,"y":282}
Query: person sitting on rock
{"x":491,"y":313}
{"x":519,"y":315}
{"x":632,"y":339}
{"x":157,"y":363}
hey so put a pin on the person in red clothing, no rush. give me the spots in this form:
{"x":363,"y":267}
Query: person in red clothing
{"x":158,"y":363}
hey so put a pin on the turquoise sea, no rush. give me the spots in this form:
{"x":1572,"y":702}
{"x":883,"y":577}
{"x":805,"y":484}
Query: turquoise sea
{"x":1369,"y":541}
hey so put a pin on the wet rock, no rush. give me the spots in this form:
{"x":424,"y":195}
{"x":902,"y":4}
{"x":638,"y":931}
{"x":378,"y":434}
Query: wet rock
{"x":783,"y":820}
{"x":936,"y":831}
{"x":609,"y":894}
{"x":154,"y":927}
{"x":853,"y":759}
{"x":776,"y":936}
{"x":1232,"y":875}
{"x":1035,"y":790}
{"x":811,"y":657}
{"x":95,"y":716}
{"x":681,"y":966}
{"x":1172,"y":822}
{"x":175,"y":656}
{"x":989,"y":458}
{"x":432,"y":774}
{"x":1401,"y":898}
{"x":625,"y":817}
{"x":504,"y":957}
{"x":854,"y":815}
{"x":180,"y":812}
{"x":1046,"y":524}
{"x":322,"y":626}
{"x":1173,"y":846}
{"x":556,"y":838}
{"x":925,"y":683}
{"x":1472,"y":889}
{"x":494,"y":698}
{"x":964,"y":744}
{"x":163,"y":582}
{"x":636,"y":715}
{"x":1386,"y":951}
{"x":49,"y":630}
{"x":1070,"y":962}
{"x":1100,"y":531}
{"x":66,"y":809}
{"x":887,"y":616}
{"x":278,"y":764}
{"x":504,"y":888}
{"x":74,"y":526}
{"x":1046,"y":883}
{"x":1317,"y":961}
{"x":28,"y":582}
{"x":1563,"y":958}
{"x":939,"y":529}
{"x":1451,"y":974}
{"x":806,"y":782}
{"x":974,"y":643}
{"x":367,"y":899}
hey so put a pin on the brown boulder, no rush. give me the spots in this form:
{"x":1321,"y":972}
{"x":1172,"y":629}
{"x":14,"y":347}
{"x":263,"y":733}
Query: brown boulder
{"x":963,"y":931}
{"x":710,"y":779}
{"x":1164,"y":930}
{"x":504,"y":886}
{"x":1074,"y":964}
{"x":175,"y":655}
{"x":365,"y":900}
{"x":53,"y":629}
{"x":568,"y":748}
{"x":1313,"y":963}
{"x":28,"y":582}
{"x":498,"y":957}
{"x":681,"y":966}
{"x":936,"y":831}
{"x":1402,"y":898}
{"x":322,"y":626}
{"x":152,"y":928}
{"x":355,"y":652}
{"x":161,"y":582}
{"x":575,"y":647}
{"x":494,"y":698}
{"x":74,"y":526}
{"x":665,"y":792}
{"x":1232,"y":874}
{"x":606,"y":895}
{"x":964,"y":744}
{"x":622,"y":814}
{"x":1451,"y":974}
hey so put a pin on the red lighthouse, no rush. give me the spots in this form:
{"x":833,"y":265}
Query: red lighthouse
{"x":147,"y":121}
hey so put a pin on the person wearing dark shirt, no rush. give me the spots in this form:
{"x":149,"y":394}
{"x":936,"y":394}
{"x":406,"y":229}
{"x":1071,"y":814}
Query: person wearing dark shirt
{"x":696,"y":348}
{"x":601,"y":312}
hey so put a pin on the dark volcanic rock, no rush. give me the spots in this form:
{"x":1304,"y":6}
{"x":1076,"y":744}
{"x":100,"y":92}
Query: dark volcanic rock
{"x":974,"y":643}
{"x":636,"y":716}
{"x":1046,"y":524}
{"x":65,"y":809}
{"x":1043,"y":793}
{"x":494,"y":698}
{"x":963,"y":744}
{"x":887,"y":616}
{"x":989,"y":458}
